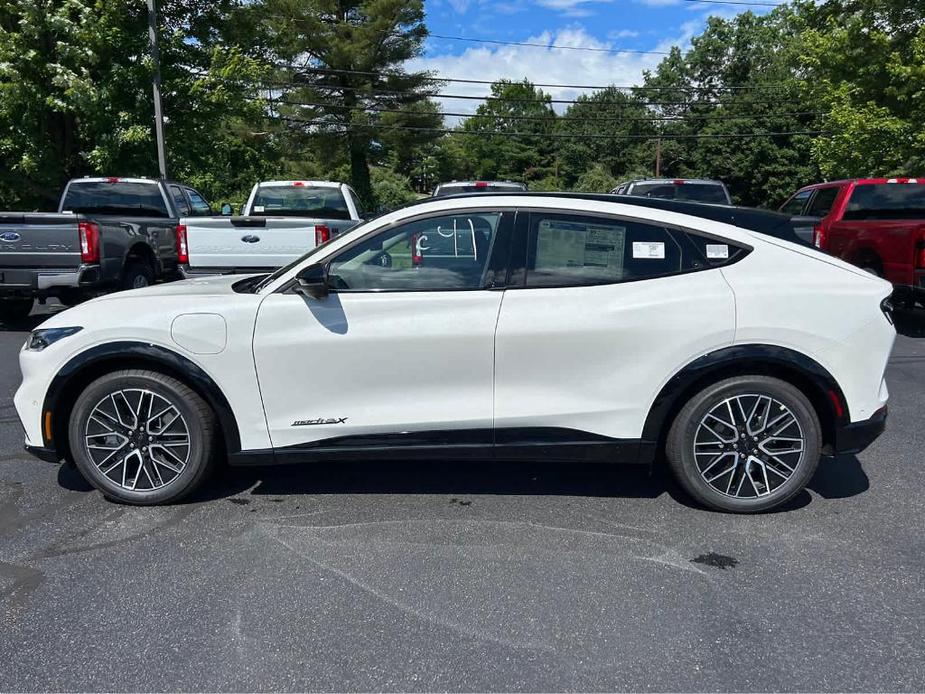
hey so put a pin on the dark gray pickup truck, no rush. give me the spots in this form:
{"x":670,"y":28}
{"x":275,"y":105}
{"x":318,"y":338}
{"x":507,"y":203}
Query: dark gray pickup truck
{"x":108,"y":234}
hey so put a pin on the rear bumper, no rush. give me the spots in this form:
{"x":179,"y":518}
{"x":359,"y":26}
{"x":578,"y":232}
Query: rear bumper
{"x":856,"y":436}
{"x":48,"y":281}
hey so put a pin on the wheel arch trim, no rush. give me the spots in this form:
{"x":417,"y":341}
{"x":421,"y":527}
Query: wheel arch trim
{"x":129,"y":354}
{"x":736,"y":360}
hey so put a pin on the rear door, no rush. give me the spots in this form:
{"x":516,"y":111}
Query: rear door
{"x":602,"y":312}
{"x":247,"y":242}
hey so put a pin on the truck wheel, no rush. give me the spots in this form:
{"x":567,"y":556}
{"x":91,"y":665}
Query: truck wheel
{"x":142,"y":437}
{"x":15,"y":310}
{"x":745,"y":444}
{"x":137,"y":275}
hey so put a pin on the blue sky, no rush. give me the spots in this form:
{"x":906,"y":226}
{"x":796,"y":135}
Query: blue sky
{"x":642,"y":25}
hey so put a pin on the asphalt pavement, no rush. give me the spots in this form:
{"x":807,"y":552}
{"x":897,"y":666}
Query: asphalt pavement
{"x":450,"y":576}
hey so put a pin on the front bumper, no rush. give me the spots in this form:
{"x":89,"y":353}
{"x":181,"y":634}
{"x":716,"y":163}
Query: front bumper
{"x":49,"y":455}
{"x":856,"y":436}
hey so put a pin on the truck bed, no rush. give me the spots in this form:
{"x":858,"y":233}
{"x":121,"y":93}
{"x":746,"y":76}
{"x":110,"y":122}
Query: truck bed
{"x":38,"y":250}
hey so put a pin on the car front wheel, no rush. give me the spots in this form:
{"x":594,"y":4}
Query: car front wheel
{"x":142,"y":437}
{"x":745,"y":444}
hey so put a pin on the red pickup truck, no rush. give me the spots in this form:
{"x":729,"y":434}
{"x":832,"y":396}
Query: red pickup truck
{"x":875,"y":223}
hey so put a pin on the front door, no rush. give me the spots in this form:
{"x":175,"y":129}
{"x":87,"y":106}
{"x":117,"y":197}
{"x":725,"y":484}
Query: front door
{"x":401,"y":352}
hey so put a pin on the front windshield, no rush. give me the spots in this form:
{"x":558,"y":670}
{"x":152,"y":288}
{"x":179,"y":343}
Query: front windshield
{"x":271,"y":278}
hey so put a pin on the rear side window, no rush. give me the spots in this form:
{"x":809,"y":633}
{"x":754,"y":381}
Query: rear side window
{"x":887,"y":201}
{"x":300,"y":201}
{"x":822,"y":203}
{"x":795,"y":205}
{"x":200,"y":206}
{"x":115,"y":197}
{"x":576,"y":250}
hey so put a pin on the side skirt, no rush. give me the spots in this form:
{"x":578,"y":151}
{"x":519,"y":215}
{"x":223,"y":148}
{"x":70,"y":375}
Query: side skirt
{"x":528,"y":444}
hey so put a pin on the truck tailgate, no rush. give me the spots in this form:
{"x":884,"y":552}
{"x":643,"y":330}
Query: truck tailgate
{"x":225,"y":243}
{"x":37,"y":241}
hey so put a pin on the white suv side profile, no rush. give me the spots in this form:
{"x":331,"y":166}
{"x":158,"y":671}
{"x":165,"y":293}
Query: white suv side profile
{"x":585,"y":328}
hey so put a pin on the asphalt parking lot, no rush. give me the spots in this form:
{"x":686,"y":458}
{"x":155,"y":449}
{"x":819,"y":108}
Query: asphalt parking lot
{"x":439,"y":576}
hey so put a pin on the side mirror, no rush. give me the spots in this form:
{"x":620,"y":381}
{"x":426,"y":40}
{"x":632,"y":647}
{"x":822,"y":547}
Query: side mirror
{"x":227,"y":209}
{"x":312,"y":282}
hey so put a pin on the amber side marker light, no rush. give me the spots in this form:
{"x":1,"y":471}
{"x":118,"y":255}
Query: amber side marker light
{"x":48,"y":426}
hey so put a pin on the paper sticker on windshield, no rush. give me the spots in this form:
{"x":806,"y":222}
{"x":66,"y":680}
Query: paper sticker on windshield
{"x":259,"y":208}
{"x":717,"y":250}
{"x":649,"y":249}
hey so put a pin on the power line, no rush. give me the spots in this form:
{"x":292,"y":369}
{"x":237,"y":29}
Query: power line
{"x":326,"y":70}
{"x":739,"y":2}
{"x":570,"y":119}
{"x":345,"y":128}
{"x":544,"y":45}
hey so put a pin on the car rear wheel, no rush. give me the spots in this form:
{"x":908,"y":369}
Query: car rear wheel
{"x":745,"y":444}
{"x":142,"y":437}
{"x":137,"y":275}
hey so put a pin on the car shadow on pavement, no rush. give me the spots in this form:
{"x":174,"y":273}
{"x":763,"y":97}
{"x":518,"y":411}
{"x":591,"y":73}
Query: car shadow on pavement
{"x":910,"y":323}
{"x":25,"y":325}
{"x":835,"y":478}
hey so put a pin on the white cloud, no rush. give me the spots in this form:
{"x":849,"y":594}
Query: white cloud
{"x":544,"y":65}
{"x":571,"y":8}
{"x":459,"y":6}
{"x":623,"y":34}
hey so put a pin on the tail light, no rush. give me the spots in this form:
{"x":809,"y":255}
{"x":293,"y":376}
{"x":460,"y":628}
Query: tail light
{"x":416,"y":257}
{"x":182,"y":244}
{"x":819,"y":236}
{"x":322,"y":234}
{"x":89,"y":234}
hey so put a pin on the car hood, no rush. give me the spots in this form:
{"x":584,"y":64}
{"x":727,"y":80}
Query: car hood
{"x":200,"y":286}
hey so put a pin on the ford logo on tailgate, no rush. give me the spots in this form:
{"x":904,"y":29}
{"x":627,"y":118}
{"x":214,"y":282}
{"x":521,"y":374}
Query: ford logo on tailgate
{"x":10,"y":236}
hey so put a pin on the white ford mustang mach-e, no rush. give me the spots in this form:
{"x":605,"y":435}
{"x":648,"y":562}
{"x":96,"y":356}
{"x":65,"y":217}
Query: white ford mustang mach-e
{"x":586,"y":328}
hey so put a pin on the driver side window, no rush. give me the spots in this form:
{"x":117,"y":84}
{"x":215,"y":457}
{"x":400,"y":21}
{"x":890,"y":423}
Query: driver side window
{"x":449,"y":252}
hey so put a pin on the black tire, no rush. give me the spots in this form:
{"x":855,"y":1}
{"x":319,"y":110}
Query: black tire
{"x":198,"y":421}
{"x":15,"y":310}
{"x":686,"y":428}
{"x":137,"y":275}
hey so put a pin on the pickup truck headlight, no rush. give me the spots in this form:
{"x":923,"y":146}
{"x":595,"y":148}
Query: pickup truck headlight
{"x":40,"y":339}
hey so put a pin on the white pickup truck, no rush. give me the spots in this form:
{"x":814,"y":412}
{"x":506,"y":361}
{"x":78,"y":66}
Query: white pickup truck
{"x":281,"y":221}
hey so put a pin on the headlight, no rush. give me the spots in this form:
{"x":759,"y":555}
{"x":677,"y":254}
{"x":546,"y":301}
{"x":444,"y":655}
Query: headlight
{"x":40,"y":339}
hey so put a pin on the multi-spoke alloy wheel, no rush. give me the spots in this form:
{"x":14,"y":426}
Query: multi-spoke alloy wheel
{"x":138,"y":439}
{"x":745,"y":444}
{"x":142,"y":437}
{"x":748,"y":445}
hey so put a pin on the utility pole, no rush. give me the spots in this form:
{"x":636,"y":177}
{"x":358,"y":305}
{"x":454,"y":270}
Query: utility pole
{"x":158,"y":109}
{"x":658,"y":157}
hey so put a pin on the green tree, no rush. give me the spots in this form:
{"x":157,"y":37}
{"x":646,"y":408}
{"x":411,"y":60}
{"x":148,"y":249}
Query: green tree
{"x":344,"y":60}
{"x":75,"y":95}
{"x":507,"y":138}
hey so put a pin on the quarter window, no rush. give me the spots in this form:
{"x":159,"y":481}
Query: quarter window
{"x":439,"y":253}
{"x":180,"y":201}
{"x":573,"y":250}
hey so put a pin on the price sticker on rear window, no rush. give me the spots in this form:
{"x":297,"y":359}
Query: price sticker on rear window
{"x":259,"y":208}
{"x":717,"y":251}
{"x":649,"y":249}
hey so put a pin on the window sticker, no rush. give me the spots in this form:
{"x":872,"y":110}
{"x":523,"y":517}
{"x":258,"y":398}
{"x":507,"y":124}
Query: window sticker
{"x":649,"y":249}
{"x":569,"y":244}
{"x":259,"y":208}
{"x":717,"y":251}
